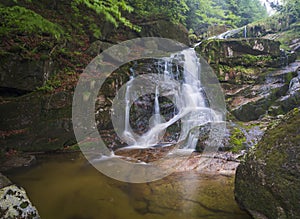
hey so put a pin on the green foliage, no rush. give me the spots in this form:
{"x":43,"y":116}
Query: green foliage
{"x":289,"y":35}
{"x":250,"y":11}
{"x":242,"y":12}
{"x":50,"y":85}
{"x":111,"y":9}
{"x":173,"y":10}
{"x":19,"y":20}
{"x":204,"y":13}
{"x":289,"y":9}
{"x":194,"y":14}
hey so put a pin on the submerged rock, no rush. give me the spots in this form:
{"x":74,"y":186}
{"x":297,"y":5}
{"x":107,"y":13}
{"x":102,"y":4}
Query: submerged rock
{"x":14,"y":203}
{"x":268,"y":181}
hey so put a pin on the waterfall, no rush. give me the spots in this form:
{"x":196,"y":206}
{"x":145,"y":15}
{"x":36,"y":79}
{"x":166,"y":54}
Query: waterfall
{"x":156,"y":115}
{"x":156,"y":103}
{"x":245,"y":31}
{"x":127,"y":132}
{"x":234,"y":33}
{"x":189,"y":98}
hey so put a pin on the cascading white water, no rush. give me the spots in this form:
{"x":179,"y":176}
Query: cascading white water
{"x":127,"y":133}
{"x":157,"y":117}
{"x":231,"y":33}
{"x":189,"y":99}
{"x":245,"y":31}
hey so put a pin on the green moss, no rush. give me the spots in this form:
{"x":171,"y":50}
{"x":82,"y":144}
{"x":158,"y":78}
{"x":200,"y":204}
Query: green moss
{"x":250,"y":60}
{"x":268,"y":181}
{"x":237,"y":140}
{"x":24,"y":204}
{"x":50,"y":84}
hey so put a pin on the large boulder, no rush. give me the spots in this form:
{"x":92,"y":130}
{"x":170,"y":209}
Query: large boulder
{"x":242,"y":61}
{"x":268,"y":182}
{"x":243,"y":51}
{"x":37,"y":122}
{"x":25,"y":74}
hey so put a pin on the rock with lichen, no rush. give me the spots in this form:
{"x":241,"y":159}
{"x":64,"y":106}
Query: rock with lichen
{"x":14,"y":203}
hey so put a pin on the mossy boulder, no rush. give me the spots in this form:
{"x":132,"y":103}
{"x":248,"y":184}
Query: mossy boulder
{"x":268,"y":182}
{"x":242,"y":61}
{"x":248,"y":52}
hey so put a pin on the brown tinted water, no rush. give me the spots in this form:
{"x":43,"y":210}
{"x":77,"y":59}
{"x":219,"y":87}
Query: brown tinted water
{"x":68,"y":187}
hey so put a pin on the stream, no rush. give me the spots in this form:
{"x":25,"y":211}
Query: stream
{"x":68,"y":187}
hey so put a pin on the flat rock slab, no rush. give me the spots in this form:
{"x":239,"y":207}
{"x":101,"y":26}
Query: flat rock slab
{"x":208,"y":164}
{"x":144,"y":154}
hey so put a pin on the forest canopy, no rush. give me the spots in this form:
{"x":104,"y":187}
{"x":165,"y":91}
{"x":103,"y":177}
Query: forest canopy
{"x":193,"y":14}
{"x":196,"y":13}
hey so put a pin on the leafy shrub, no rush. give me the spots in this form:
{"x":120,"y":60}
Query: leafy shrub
{"x":19,"y":20}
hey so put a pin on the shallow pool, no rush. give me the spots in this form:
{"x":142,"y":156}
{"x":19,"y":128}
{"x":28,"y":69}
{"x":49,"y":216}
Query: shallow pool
{"x":68,"y":187}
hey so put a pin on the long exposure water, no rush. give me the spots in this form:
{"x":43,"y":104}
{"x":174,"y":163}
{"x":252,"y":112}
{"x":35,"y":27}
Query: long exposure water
{"x":68,"y":187}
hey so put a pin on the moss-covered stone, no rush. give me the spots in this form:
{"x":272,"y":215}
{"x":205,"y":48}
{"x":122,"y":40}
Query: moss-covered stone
{"x":241,"y":61}
{"x":245,"y":51}
{"x":237,"y":140}
{"x":268,"y":181}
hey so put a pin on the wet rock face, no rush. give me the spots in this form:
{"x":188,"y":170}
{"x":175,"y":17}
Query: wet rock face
{"x":267,"y":183}
{"x":275,"y":94}
{"x":22,"y":74}
{"x":14,"y":203}
{"x":37,"y":123}
{"x":242,"y":61}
